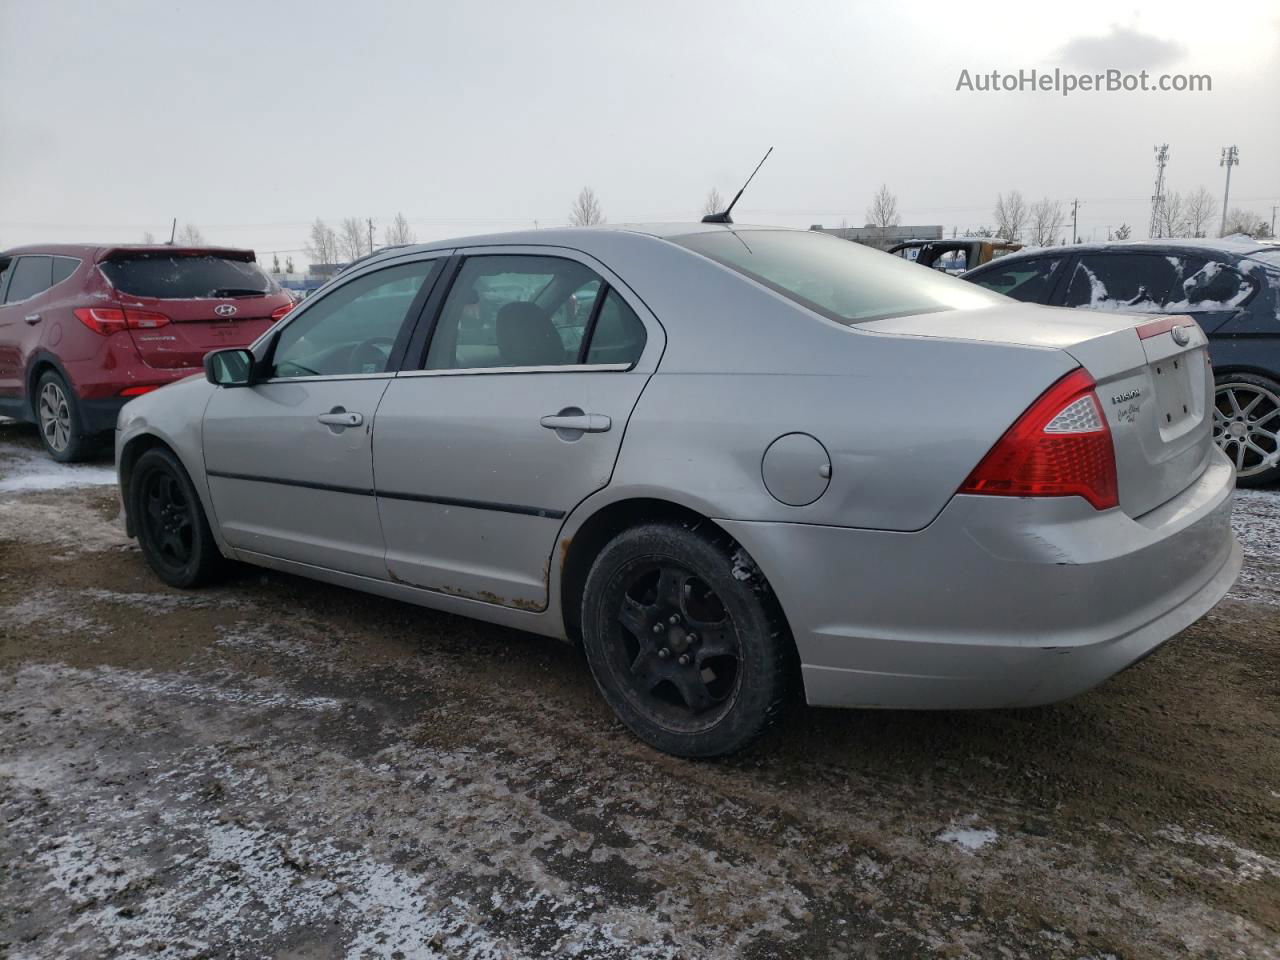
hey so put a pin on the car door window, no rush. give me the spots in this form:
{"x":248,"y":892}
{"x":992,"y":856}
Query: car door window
{"x":1029,"y":280}
{"x":1135,"y":282}
{"x":31,"y":277}
{"x":353,"y":329}
{"x":619,"y":335}
{"x":513,"y":311}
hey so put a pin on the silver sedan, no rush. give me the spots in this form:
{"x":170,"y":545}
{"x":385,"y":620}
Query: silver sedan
{"x":734,"y":464}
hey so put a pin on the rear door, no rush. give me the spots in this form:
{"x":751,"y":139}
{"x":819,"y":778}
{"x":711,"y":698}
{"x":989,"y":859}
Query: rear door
{"x":535,"y":363}
{"x":289,"y":461}
{"x":21,"y":319}
{"x":201,"y":301}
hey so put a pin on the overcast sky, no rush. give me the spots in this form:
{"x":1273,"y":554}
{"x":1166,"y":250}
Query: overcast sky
{"x":250,"y":119}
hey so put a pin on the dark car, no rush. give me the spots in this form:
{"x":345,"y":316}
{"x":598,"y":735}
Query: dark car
{"x":84,"y":328}
{"x":1231,"y":287}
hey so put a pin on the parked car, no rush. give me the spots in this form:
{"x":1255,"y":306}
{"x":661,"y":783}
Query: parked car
{"x":1230,"y":287}
{"x":84,"y":328}
{"x":768,"y":457}
{"x":956,"y":255}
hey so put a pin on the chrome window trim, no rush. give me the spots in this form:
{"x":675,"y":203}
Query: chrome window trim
{"x":320,"y":378}
{"x":549,"y":368}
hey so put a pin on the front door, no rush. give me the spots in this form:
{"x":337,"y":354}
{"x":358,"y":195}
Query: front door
{"x":534,"y":367}
{"x":289,"y":460}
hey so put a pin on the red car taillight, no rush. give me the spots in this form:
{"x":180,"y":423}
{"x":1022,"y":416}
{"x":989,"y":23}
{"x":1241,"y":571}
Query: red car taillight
{"x":279,"y":312}
{"x":1060,"y":447}
{"x":109,"y":320}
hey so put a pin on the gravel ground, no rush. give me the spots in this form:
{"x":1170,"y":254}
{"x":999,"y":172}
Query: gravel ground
{"x":277,"y":768}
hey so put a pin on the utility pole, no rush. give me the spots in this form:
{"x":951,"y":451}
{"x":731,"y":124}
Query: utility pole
{"x":1230,"y":158}
{"x":1273,"y":220}
{"x":1157,"y":198}
{"x":371,"y":234}
{"x":1075,"y":212}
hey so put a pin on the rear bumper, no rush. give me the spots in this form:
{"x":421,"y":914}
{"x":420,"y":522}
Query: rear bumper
{"x":1000,"y":602}
{"x":100,"y":403}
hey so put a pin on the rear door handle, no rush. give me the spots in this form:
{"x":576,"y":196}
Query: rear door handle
{"x":578,"y":423}
{"x":341,"y":418}
{"x":32,"y":318}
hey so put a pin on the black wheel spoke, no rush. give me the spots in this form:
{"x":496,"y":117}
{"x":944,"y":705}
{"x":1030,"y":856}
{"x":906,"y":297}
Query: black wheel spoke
{"x":647,"y":669}
{"x":671,"y":588}
{"x":716,"y":642}
{"x":693,"y":691}
{"x":636,"y":618}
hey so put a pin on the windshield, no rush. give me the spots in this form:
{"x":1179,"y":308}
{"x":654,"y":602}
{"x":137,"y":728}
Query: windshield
{"x":187,"y":277}
{"x":844,"y":281}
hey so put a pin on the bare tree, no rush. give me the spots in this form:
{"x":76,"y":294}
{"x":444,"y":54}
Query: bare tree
{"x":148,"y":237}
{"x":1199,"y":209}
{"x":353,"y":239}
{"x":275,"y":263}
{"x":322,"y":246}
{"x":714,"y":202}
{"x":1171,"y":215}
{"x":190,"y":235}
{"x":586,"y":210}
{"x":288,"y":264}
{"x":398,"y":232}
{"x":1122,"y":232}
{"x":1045,"y":222}
{"x":883,"y":211}
{"x":1240,"y":220}
{"x":1010,"y":214}
{"x":982,"y":232}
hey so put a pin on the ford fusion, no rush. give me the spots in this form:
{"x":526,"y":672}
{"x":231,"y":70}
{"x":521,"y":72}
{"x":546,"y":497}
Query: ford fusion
{"x":732,"y":463}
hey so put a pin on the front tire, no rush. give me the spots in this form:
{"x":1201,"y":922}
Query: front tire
{"x":58,"y":417}
{"x":173,"y":531}
{"x":685,"y":640}
{"x":1246,"y":426}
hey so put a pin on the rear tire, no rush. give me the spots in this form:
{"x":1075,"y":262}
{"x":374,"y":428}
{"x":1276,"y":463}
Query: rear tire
{"x":173,"y":531}
{"x":1246,"y":425}
{"x":685,"y":640}
{"x":58,"y":418}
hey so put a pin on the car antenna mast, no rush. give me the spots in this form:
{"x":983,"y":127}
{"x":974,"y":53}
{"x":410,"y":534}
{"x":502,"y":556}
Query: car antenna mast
{"x":724,"y":217}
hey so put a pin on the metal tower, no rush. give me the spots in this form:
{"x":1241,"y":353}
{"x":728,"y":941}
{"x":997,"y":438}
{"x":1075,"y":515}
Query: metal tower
{"x":1157,"y":198}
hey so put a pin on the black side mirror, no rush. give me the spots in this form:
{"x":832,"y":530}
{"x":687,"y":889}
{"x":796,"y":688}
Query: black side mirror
{"x":229,"y":368}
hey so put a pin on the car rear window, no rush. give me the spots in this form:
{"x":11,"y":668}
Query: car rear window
{"x":841,"y":280}
{"x":187,"y":277}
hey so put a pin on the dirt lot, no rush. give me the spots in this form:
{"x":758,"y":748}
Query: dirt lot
{"x":276,"y":768}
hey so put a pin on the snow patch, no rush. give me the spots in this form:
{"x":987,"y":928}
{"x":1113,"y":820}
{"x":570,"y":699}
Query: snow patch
{"x":23,"y":471}
{"x":968,"y":838}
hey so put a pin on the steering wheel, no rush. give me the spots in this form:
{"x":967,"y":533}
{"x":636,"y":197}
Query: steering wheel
{"x":372,"y":352}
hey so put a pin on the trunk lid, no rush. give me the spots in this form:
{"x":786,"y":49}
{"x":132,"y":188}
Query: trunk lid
{"x":210,"y":298}
{"x":1156,"y":393}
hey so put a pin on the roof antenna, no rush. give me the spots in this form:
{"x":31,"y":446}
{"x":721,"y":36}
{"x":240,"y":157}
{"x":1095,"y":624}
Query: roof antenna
{"x":724,"y":216}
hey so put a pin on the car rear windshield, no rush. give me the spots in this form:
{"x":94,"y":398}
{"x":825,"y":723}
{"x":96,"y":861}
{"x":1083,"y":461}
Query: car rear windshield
{"x":187,"y":277}
{"x":844,"y":281}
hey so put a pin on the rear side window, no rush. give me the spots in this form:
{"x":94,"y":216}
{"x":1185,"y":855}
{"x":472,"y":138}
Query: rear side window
{"x":843,"y":281}
{"x":31,"y":276}
{"x":1030,"y":280}
{"x":618,"y":336}
{"x":1151,"y":283}
{"x":63,"y":267}
{"x":178,"y":277}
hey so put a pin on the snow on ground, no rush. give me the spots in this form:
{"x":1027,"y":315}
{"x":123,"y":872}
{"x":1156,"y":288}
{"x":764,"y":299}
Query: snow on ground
{"x":1255,"y":516}
{"x":26,"y":470}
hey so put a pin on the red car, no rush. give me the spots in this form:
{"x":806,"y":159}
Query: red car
{"x":83,"y":328}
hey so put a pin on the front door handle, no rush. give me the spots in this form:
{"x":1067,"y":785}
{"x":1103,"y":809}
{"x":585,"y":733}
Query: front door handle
{"x":577,"y":422}
{"x":32,"y":318}
{"x":337,"y":417}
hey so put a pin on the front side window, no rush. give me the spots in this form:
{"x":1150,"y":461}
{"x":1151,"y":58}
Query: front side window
{"x":166,"y":276}
{"x":514,"y":311}
{"x":840,"y":280}
{"x":31,"y":276}
{"x":352,"y":329}
{"x":1029,"y":280}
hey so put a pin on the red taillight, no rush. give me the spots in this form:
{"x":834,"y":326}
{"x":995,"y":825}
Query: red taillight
{"x":138,"y":391}
{"x":109,"y":320}
{"x":279,"y":312}
{"x":1060,"y":447}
